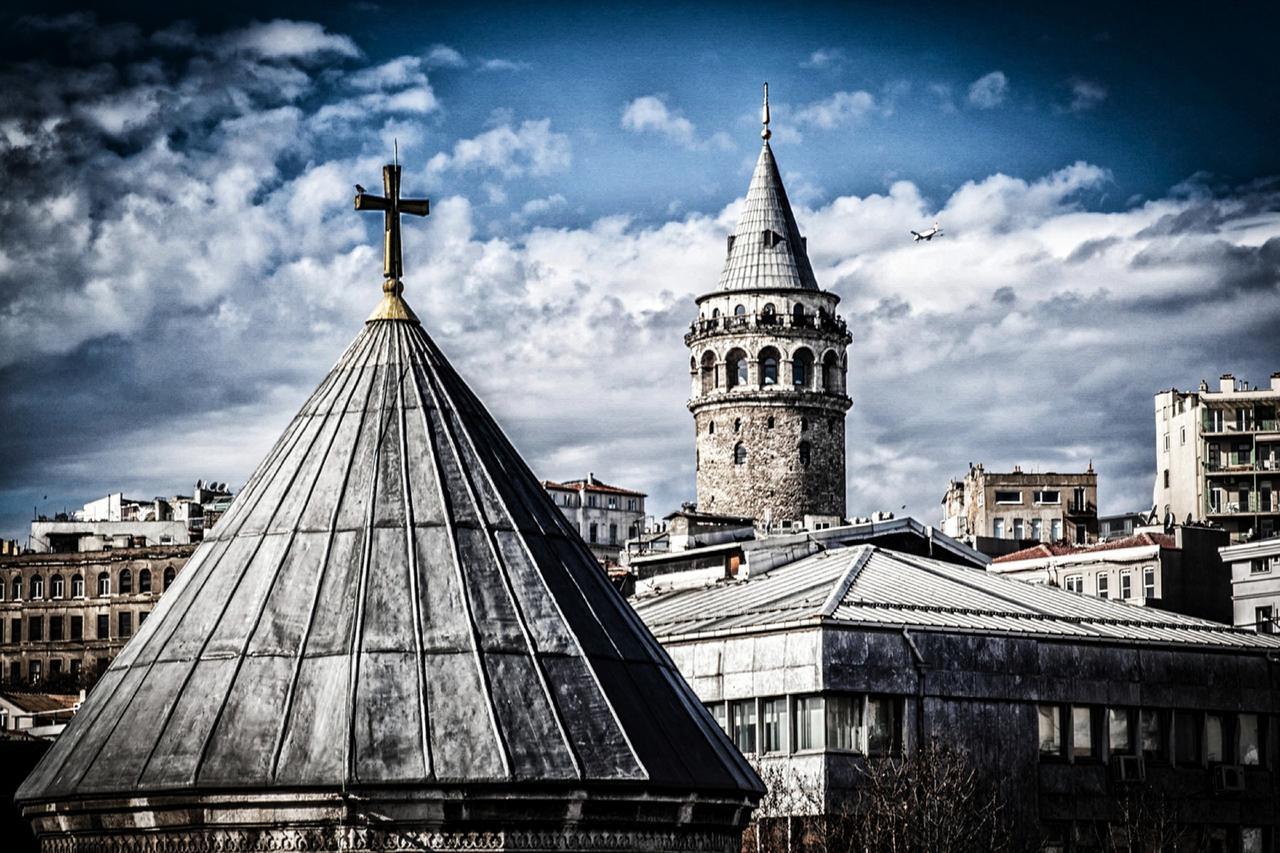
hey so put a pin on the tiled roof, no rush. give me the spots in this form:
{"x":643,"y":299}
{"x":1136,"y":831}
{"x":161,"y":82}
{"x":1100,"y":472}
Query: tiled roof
{"x":597,"y":486}
{"x":34,"y":703}
{"x":767,"y":249}
{"x":870,"y":587}
{"x":1062,"y":549}
{"x":392,"y":599}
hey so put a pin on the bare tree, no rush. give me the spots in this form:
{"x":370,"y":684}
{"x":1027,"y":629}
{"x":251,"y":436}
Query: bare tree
{"x":1146,"y":821}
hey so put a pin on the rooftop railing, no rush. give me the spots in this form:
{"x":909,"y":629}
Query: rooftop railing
{"x":820,"y":322}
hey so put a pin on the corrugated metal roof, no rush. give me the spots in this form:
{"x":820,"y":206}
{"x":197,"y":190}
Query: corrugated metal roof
{"x":767,"y":249}
{"x":392,"y":598}
{"x":893,"y":589}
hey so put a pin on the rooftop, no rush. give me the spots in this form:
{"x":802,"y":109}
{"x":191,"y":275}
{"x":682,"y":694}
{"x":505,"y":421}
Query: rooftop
{"x":590,"y":484}
{"x":1062,"y":549}
{"x":874,"y":588}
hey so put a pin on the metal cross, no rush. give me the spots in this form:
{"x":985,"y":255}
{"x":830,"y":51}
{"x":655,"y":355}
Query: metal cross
{"x":392,"y":206}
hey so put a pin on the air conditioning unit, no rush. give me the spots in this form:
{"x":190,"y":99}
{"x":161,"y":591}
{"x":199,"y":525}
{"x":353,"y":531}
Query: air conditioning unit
{"x":1128,"y":768}
{"x":1228,"y":778}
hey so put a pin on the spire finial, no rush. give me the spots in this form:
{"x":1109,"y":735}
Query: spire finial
{"x":391,"y":205}
{"x":765,"y":133}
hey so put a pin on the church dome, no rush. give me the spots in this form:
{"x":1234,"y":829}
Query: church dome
{"x":392,"y":631}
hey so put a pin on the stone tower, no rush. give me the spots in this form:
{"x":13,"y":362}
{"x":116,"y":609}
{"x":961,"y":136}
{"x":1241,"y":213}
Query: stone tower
{"x":768,"y":361}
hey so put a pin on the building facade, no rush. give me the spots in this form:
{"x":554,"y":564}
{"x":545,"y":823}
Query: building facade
{"x":1180,"y":571}
{"x":1019,"y":507}
{"x":1218,"y":456}
{"x":64,"y":617}
{"x":605,"y":516}
{"x":768,"y":364}
{"x":1121,"y":525}
{"x":1255,"y":584}
{"x":115,"y":521}
{"x":1071,"y":706}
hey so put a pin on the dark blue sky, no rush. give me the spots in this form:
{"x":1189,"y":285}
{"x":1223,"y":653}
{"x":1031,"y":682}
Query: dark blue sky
{"x":179,"y":263}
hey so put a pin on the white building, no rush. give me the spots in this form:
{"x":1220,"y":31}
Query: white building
{"x":1255,"y":584}
{"x":115,"y":521}
{"x":606,"y":516}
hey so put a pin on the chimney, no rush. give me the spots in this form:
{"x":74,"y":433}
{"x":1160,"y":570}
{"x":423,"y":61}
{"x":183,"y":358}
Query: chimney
{"x":591,"y":477}
{"x":1275,"y":381}
{"x":1227,"y":383}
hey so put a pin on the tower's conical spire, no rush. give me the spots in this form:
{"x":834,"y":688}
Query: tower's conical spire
{"x":766,"y":249}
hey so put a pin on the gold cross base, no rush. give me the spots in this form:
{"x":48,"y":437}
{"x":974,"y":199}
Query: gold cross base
{"x":392,"y":306}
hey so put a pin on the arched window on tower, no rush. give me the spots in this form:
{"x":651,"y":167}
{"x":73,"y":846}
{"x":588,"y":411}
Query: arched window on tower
{"x":739,"y":454}
{"x":831,"y":373}
{"x":735,"y":368}
{"x":797,"y":315}
{"x":715,"y":313}
{"x":802,"y":368}
{"x":711,"y":428}
{"x":708,"y":372}
{"x":737,"y":424}
{"x":739,"y":310}
{"x":768,"y":314}
{"x":769,"y":422}
{"x":804,"y":454}
{"x":768,"y":366}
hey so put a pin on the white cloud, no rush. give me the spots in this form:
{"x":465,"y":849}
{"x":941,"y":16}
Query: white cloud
{"x":530,"y":149}
{"x":1085,"y":95}
{"x":839,"y":109}
{"x":284,"y":39}
{"x":825,"y":57}
{"x":504,"y":65}
{"x":988,"y":91}
{"x":650,"y":114}
{"x":443,"y":56}
{"x":396,"y":73}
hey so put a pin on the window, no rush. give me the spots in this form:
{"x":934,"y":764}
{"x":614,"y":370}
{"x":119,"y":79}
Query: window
{"x":77,"y":628}
{"x":742,"y":724}
{"x":1214,"y":738}
{"x":17,"y":589}
{"x":1166,"y":442}
{"x":1119,"y":735}
{"x":717,"y":711}
{"x":773,"y":725}
{"x":1104,"y":586}
{"x":1077,"y":500}
{"x":1126,"y":585}
{"x":768,"y":366}
{"x":613,"y":534}
{"x":797,"y":311}
{"x":1073,"y":583}
{"x":769,"y":422}
{"x":882,"y":725}
{"x":75,"y":669}
{"x":37,"y":587}
{"x":707,"y":372}
{"x":1186,"y":738}
{"x":55,"y":628}
{"x":997,"y":528}
{"x":631,"y":504}
{"x":711,"y":428}
{"x":739,"y":310}
{"x":35,"y":629}
{"x":1050,"y":730}
{"x":1055,"y":530}
{"x":1251,"y":839}
{"x":735,"y":368}
{"x":802,"y":368}
{"x":592,"y":501}
{"x":1018,"y":529}
{"x":1047,"y":496}
{"x":1182,"y":435}
{"x":15,"y":630}
{"x":104,"y":626}
{"x":1149,"y":582}
{"x":142,"y":616}
{"x":57,"y":587}
{"x":594,"y":535}
{"x":125,"y":623}
{"x":1264,"y":619}
{"x":610,"y":502}
{"x":804,"y":454}
{"x":1080,"y":534}
{"x":1081,"y":732}
{"x":1037,"y":529}
{"x":144,"y":580}
{"x":170,"y":574}
{"x":810,"y":731}
{"x":34,"y":672}
{"x":804,"y":424}
{"x":15,"y":672}
{"x":1008,"y":497}
{"x":104,"y":583}
{"x":739,"y":454}
{"x":1166,"y":478}
{"x":1249,"y":741}
{"x":844,"y":723}
{"x":77,"y":586}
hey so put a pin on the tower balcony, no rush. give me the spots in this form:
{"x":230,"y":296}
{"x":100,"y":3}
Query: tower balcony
{"x":818,"y":325}
{"x":834,"y":400}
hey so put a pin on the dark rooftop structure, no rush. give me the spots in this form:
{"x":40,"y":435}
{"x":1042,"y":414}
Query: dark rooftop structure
{"x":393,"y":632}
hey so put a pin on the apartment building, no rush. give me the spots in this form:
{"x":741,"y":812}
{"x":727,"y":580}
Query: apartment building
{"x":606,"y":516}
{"x":1218,"y":456}
{"x":1255,"y":584}
{"x":999,"y":512}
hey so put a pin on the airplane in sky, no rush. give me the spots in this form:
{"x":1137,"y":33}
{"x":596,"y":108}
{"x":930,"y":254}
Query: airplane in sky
{"x":935,"y":231}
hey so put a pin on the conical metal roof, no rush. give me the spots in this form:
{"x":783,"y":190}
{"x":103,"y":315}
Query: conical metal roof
{"x":766,"y":249}
{"x":391,"y":599}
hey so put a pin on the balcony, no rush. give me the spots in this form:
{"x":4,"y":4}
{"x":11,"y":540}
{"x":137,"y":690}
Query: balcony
{"x":1253,"y":506}
{"x":821,"y":323}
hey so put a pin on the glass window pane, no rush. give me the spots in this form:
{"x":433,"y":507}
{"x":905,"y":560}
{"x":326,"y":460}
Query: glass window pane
{"x":1050,"y":730}
{"x":773,"y":713}
{"x":1251,"y":839}
{"x":844,"y":723}
{"x":717,"y":711}
{"x":742,"y":717}
{"x":1213,"y":738}
{"x":881,"y":725}
{"x":1118,"y":730}
{"x":1081,"y":732}
{"x":1186,"y":738}
{"x":1250,"y":749}
{"x":810,"y":731}
{"x":1152,"y":735}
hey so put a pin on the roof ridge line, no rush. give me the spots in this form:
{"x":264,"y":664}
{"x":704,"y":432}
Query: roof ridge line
{"x":851,"y":574}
